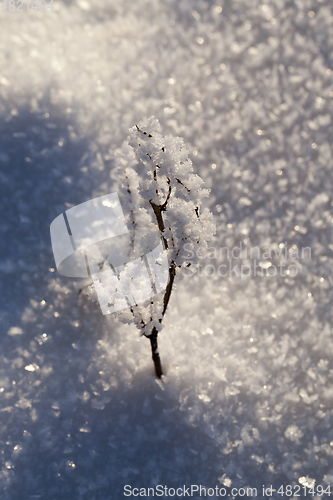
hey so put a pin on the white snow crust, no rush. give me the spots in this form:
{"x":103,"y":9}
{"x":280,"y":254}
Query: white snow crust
{"x":247,"y":395}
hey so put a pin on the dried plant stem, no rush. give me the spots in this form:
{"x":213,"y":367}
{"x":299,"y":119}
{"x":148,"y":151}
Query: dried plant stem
{"x":158,"y":209}
{"x":155,"y":354}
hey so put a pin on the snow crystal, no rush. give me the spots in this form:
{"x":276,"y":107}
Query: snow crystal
{"x":15,"y":330}
{"x":31,"y":368}
{"x":293,"y":432}
{"x":307,"y":481}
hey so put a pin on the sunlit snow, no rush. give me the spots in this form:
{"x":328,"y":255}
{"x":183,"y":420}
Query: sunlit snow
{"x":247,"y":346}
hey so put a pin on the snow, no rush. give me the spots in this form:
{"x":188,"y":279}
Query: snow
{"x":246,"y":399}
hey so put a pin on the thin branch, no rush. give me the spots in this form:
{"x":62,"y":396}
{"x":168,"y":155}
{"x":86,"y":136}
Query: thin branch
{"x":166,"y":298}
{"x":164,"y":204}
{"x":172,"y":268}
{"x":180,"y":182}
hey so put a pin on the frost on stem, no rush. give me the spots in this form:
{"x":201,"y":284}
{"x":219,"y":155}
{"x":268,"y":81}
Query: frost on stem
{"x":156,"y":184}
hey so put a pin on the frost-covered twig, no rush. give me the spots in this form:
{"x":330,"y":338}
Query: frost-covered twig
{"x":159,"y":187}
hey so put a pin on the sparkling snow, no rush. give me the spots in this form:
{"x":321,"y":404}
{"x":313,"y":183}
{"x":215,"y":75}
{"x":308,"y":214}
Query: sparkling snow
{"x":247,"y":396}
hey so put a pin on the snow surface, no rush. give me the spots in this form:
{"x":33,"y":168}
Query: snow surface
{"x":247,"y":396}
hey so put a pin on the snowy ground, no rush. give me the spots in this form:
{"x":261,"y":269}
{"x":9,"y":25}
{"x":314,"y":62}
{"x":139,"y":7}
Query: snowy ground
{"x":247,"y":397}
